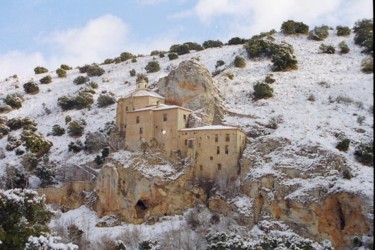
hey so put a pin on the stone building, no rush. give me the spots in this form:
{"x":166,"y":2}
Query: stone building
{"x":143,"y":119}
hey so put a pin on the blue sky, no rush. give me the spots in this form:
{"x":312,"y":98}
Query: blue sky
{"x":51,"y":32}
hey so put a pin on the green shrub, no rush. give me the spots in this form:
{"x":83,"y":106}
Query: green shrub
{"x":291,"y":27}
{"x":262,"y":90}
{"x":367,"y":65}
{"x":76,"y":128}
{"x":40,"y":70}
{"x":194,"y":46}
{"x":83,"y":100}
{"x":319,"y":33}
{"x":45,"y":80}
{"x":108,"y":61}
{"x":179,"y":49}
{"x":212,"y":44}
{"x":14,"y":123}
{"x":132,"y":72}
{"x":327,"y":49}
{"x":68,"y":119}
{"x":93,"y":85}
{"x":172,"y":56}
{"x":344,"y":49}
{"x":61,"y":73}
{"x":152,"y":66}
{"x":81,"y":80}
{"x":236,"y":41}
{"x":35,"y":143}
{"x":364,"y":153}
{"x":126,"y":56}
{"x":219,"y":63}
{"x":65,"y":67}
{"x":117,"y":60}
{"x":269,"y":79}
{"x":364,"y":35}
{"x":84,"y":68}
{"x":66,"y":102}
{"x":14,"y":100}
{"x":31,"y":88}
{"x":239,"y":62}
{"x":57,"y":130}
{"x":134,"y":60}
{"x":46,"y":175}
{"x":258,"y":47}
{"x":106,"y":100}
{"x":343,"y":30}
{"x":24,"y":214}
{"x":162,"y":54}
{"x":283,"y":58}
{"x":155,"y":53}
{"x":343,"y":145}
{"x":94,"y":70}
{"x":29,"y":161}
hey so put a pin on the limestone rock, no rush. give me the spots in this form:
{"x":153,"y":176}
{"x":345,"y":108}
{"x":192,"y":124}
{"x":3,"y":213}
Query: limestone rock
{"x":191,"y":86}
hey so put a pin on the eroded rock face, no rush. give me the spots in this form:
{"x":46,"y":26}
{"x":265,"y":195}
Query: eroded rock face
{"x":191,"y":86}
{"x":134,"y":196}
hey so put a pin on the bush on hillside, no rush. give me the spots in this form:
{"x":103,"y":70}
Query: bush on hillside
{"x":40,"y":70}
{"x":84,"y":68}
{"x":269,"y":79}
{"x":152,"y":66}
{"x":14,"y":100}
{"x":35,"y":143}
{"x":76,"y":128}
{"x":141,"y":77}
{"x":364,"y":35}
{"x":84,"y":99}
{"x":57,"y":130}
{"x":155,"y":53}
{"x":66,"y":102}
{"x":219,"y":63}
{"x":344,"y":49}
{"x":95,"y":70}
{"x":262,"y":90}
{"x":108,"y":61}
{"x":367,"y":65}
{"x":236,"y":41}
{"x":364,"y":153}
{"x":31,"y":88}
{"x":180,"y":49}
{"x":46,"y":175}
{"x":65,"y":67}
{"x":68,"y":119}
{"x":29,"y":161}
{"x":132,"y":72}
{"x":14,"y":123}
{"x":106,"y":100}
{"x":81,"y":80}
{"x":194,"y":46}
{"x":93,"y":85}
{"x":283,"y":58}
{"x":124,"y":56}
{"x":239,"y":62}
{"x":343,"y":145}
{"x":327,"y":49}
{"x":46,"y":80}
{"x":291,"y":27}
{"x":172,"y":56}
{"x":61,"y":73}
{"x":318,"y":33}
{"x":343,"y":30}
{"x":212,"y":44}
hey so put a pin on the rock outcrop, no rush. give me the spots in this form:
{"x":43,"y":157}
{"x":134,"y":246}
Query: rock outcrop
{"x":191,"y":86}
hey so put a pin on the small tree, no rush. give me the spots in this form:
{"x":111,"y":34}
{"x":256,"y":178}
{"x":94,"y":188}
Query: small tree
{"x":367,"y":65}
{"x":152,"y":66}
{"x":31,"y":88}
{"x":94,"y":70}
{"x":106,"y":100}
{"x":65,"y":67}
{"x":262,"y":90}
{"x":212,"y":44}
{"x":14,"y":100}
{"x":239,"y":62}
{"x":236,"y":41}
{"x":46,"y":175}
{"x":219,"y":63}
{"x":319,"y":33}
{"x":364,"y":153}
{"x":327,"y":49}
{"x":364,"y":35}
{"x":75,"y":128}
{"x":57,"y":130}
{"x":343,"y":145}
{"x":291,"y":27}
{"x":40,"y":70}
{"x":172,"y":56}
{"x":194,"y":46}
{"x":81,"y":80}
{"x":45,"y":80}
{"x":132,"y":72}
{"x":344,"y":49}
{"x":124,"y":56}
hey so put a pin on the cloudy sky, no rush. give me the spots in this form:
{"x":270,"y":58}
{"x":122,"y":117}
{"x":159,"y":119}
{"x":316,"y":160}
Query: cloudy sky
{"x":52,"y":32}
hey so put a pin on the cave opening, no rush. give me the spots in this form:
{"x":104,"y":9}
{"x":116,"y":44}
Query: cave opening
{"x":141,"y":208}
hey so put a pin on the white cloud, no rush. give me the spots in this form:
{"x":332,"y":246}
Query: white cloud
{"x":16,"y":62}
{"x":150,"y":2}
{"x":98,"y":39}
{"x":247,"y":17}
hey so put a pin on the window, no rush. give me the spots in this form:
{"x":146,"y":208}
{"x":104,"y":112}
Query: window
{"x":211,"y":158}
{"x":185,"y":142}
{"x":126,"y":108}
{"x":141,"y":130}
{"x":227,"y":138}
{"x":217,"y":150}
{"x":137,"y":119}
{"x":200,"y":167}
{"x":165,"y":117}
{"x":219,"y":166}
{"x":184,"y":117}
{"x":190,"y":143}
{"x":226,"y":149}
{"x":216,"y":138}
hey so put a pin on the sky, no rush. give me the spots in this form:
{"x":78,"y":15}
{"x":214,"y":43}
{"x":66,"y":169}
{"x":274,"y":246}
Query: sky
{"x":50,"y":33}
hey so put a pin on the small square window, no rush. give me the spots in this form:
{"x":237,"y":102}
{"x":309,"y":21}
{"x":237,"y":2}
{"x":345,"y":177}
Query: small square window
{"x":141,"y":130}
{"x":219,"y":166}
{"x":137,"y":119}
{"x":218,"y":150}
{"x":216,"y":138}
{"x":184,"y":117}
{"x":227,"y":138}
{"x":190,"y":143}
{"x":211,"y":158}
{"x":126,"y":108}
{"x":165,"y":117}
{"x":200,"y":167}
{"x":185,"y":142}
{"x":226,"y":149}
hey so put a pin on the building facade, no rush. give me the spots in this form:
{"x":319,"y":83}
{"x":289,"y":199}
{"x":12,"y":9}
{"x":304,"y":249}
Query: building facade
{"x":143,"y":119}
